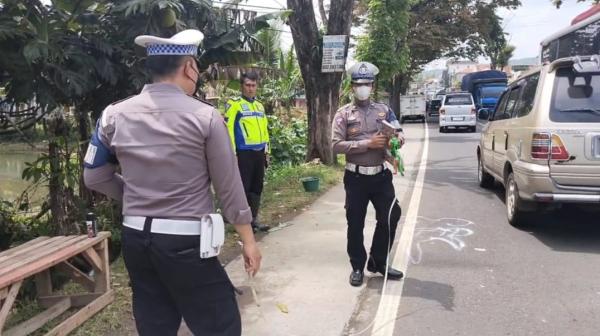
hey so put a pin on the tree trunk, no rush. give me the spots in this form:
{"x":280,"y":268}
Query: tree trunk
{"x":395,"y":93}
{"x":56,"y":190}
{"x":322,"y":13}
{"x":405,"y":83}
{"x":61,"y":197}
{"x":322,"y":89}
{"x":84,"y":138}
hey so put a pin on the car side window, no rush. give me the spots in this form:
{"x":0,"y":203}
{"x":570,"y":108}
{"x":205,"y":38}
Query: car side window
{"x":512,"y":102}
{"x":501,"y":106}
{"x":525,"y":104}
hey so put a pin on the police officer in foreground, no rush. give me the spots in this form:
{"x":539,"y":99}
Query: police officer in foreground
{"x":171,"y":147}
{"x":247,"y":124}
{"x":356,"y":133}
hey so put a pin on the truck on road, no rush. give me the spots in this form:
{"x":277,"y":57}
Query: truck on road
{"x":485,"y":86}
{"x":413,"y":107}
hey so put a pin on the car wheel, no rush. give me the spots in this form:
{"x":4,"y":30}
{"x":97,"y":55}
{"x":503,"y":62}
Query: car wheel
{"x":473,"y":129}
{"x":402,"y":120}
{"x":442,"y":129}
{"x":485,"y":180}
{"x":514,"y":203}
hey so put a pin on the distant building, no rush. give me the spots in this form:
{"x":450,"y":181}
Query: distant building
{"x":516,"y":67}
{"x":460,"y":66}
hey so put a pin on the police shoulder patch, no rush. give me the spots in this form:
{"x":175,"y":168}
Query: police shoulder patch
{"x":201,"y":100}
{"x":122,"y":100}
{"x":345,"y":107}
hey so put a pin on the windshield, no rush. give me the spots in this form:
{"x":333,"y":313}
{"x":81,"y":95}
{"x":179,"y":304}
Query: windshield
{"x":576,"y":97}
{"x":464,"y":99}
{"x":492,"y":91}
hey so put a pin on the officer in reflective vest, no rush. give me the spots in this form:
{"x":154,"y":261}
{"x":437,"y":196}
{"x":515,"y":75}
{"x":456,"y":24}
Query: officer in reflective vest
{"x":357,"y":134}
{"x":247,"y":124}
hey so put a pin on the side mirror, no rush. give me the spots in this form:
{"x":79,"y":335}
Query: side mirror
{"x":483,"y":114}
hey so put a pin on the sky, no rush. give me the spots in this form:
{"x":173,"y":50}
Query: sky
{"x":528,"y":25}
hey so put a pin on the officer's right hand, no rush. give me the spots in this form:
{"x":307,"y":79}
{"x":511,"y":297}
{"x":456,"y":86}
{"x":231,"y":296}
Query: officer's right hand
{"x":252,"y":257}
{"x":378,"y":141}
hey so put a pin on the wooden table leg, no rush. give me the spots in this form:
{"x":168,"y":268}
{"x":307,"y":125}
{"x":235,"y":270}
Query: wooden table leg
{"x":8,"y":303}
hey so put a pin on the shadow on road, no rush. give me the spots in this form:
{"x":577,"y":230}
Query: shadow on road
{"x":429,"y":290}
{"x":571,"y":228}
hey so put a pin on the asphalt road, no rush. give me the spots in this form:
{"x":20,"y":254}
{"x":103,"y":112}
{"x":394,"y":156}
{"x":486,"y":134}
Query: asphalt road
{"x":470,"y":273}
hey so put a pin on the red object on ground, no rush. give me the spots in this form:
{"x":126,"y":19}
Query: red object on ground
{"x":590,"y":12}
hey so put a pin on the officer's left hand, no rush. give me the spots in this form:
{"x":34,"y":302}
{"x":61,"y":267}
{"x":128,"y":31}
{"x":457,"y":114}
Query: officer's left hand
{"x":252,"y":257}
{"x":401,"y":139}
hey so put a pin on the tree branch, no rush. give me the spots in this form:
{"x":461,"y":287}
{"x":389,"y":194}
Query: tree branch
{"x":322,"y":12}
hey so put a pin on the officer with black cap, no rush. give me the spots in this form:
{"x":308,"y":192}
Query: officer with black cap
{"x":357,"y":134}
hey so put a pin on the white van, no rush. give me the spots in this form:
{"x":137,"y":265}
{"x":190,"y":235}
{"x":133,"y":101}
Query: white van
{"x":413,"y":107}
{"x":458,"y":110}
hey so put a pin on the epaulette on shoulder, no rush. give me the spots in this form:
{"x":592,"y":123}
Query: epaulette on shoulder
{"x":122,"y":100}
{"x":345,"y":107}
{"x":203,"y":101}
{"x":380,"y":104}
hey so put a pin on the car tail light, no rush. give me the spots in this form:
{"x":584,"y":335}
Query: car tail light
{"x":473,"y":111}
{"x":442,"y":111}
{"x":546,"y":146}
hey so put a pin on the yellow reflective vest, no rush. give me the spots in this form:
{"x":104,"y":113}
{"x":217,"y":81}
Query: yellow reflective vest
{"x":247,"y":124}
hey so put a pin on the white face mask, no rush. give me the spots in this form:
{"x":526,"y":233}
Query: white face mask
{"x":362,"y":92}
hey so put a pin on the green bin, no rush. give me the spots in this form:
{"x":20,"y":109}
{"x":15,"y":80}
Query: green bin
{"x":310,"y":184}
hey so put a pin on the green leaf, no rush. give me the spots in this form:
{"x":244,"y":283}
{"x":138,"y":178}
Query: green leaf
{"x":71,"y":5}
{"x":35,"y":50}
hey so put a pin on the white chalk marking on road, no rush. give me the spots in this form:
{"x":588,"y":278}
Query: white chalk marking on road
{"x":450,"y":234}
{"x":385,"y":319}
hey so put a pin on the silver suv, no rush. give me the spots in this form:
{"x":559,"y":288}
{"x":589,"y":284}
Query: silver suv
{"x":542,"y":142}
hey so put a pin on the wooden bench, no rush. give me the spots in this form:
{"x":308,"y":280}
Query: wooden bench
{"x":35,"y":259}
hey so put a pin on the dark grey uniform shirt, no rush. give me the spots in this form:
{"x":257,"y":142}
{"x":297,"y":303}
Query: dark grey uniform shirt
{"x":170,"y":148}
{"x":352,"y":128}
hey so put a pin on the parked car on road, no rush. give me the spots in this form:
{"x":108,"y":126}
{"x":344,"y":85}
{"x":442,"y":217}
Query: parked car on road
{"x":542,"y":142}
{"x":413,"y":107}
{"x":458,"y":110}
{"x":434,"y":106}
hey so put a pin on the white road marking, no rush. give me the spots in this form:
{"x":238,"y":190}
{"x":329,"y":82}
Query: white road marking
{"x":385,"y":319}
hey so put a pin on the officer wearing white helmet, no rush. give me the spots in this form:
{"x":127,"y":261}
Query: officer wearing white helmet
{"x":357,"y":134}
{"x":171,"y":147}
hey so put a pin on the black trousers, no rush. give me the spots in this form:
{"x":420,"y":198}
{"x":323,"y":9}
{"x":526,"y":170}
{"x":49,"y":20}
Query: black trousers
{"x":360,"y":189}
{"x":170,"y":281}
{"x":252,"y":171}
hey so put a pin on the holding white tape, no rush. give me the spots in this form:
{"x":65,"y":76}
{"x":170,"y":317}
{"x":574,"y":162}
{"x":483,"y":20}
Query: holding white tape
{"x":212,"y":235}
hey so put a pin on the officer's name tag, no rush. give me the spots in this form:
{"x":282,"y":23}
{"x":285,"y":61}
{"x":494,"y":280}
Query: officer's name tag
{"x":90,"y":155}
